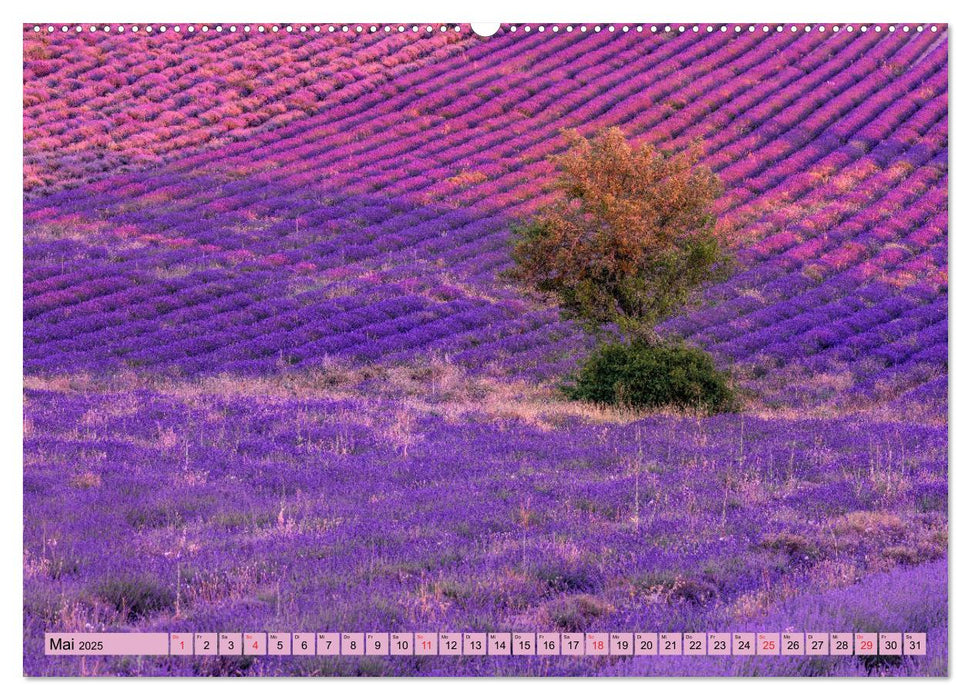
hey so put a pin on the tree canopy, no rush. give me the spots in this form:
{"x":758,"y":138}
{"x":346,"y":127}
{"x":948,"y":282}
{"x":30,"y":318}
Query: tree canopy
{"x":628,"y":237}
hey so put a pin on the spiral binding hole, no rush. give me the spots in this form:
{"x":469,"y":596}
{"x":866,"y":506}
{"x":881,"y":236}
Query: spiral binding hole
{"x":137,"y":29}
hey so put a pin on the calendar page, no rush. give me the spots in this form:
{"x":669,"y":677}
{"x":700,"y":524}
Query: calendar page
{"x":450,"y":349}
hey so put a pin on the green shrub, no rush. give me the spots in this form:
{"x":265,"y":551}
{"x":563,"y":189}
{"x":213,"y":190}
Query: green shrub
{"x":643,"y":375}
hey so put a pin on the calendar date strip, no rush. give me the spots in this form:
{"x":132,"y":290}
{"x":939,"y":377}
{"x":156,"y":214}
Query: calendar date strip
{"x":486,"y":644}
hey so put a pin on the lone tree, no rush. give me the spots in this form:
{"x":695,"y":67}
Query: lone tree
{"x":629,"y":237}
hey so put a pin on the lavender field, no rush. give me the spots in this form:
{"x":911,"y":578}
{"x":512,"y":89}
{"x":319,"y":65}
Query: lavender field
{"x":275,"y":378}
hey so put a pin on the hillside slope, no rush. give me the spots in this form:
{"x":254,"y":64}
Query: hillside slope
{"x":252,"y":203}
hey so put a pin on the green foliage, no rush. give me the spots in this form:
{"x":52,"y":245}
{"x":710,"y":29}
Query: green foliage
{"x":629,"y":238}
{"x":644,"y":375}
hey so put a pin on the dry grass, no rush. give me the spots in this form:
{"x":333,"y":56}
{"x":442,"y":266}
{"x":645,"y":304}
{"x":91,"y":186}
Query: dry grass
{"x":436,"y":386}
{"x":868,"y":523}
{"x":85,"y":480}
{"x":172,"y":272}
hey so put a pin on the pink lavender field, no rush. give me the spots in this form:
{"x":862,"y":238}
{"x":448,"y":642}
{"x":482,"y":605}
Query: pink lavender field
{"x":274,"y":379}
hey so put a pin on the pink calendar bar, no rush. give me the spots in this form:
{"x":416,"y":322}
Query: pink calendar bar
{"x":793,"y":644}
{"x":669,"y":644}
{"x":180,"y":644}
{"x":230,"y":643}
{"x":377,"y":643}
{"x":206,"y":643}
{"x":329,"y":644}
{"x":817,"y":644}
{"x":645,"y":644}
{"x":621,"y":643}
{"x":279,"y":644}
{"x":841,"y":643}
{"x":523,"y":643}
{"x":254,"y":643}
{"x":743,"y":644}
{"x":106,"y":644}
{"x":426,"y":643}
{"x":402,"y":644}
{"x":571,"y":644}
{"x":474,"y":644}
{"x":865,"y":643}
{"x":891,"y":643}
{"x":695,"y":644}
{"x":787,"y":643}
{"x":500,"y":644}
{"x":597,"y":643}
{"x":915,"y":643}
{"x":304,"y":644}
{"x":719,"y":643}
{"x":450,"y":644}
{"x":352,"y":644}
{"x":767,"y":644}
{"x":548,"y":644}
